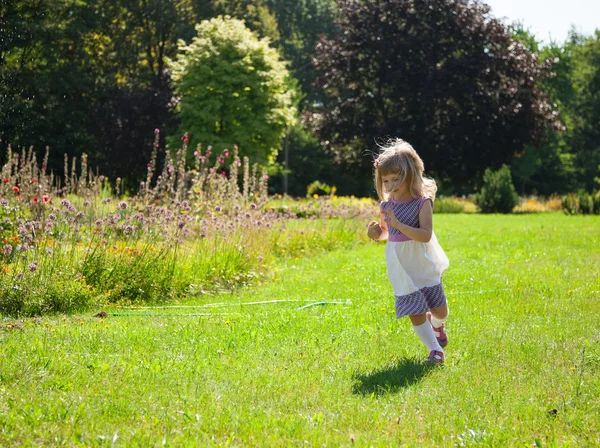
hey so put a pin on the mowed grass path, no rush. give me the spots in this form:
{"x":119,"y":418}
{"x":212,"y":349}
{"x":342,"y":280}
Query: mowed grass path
{"x":523,"y":364}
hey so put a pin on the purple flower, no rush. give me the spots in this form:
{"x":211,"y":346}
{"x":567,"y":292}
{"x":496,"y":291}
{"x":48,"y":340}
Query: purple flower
{"x":86,"y":203}
{"x":65,"y":203}
{"x":218,"y":208}
{"x":260,"y":258}
{"x":33,"y":266}
{"x":51,"y":216}
{"x":253,"y":206}
{"x":3,"y":203}
{"x":99,"y":222}
{"x":122,"y":205}
{"x":7,"y":249}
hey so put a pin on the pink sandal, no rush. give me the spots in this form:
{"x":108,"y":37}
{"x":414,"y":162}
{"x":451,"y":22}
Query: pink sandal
{"x":435,"y":357}
{"x":440,"y":332}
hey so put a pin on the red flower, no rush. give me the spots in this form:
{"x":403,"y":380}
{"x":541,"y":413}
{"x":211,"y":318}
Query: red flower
{"x":33,"y":181}
{"x":19,"y":198}
{"x":6,"y":180}
{"x":35,"y":200}
{"x":46,"y":199}
{"x":16,"y":189}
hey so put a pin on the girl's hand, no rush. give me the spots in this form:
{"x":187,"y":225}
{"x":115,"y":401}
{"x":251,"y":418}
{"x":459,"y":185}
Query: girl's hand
{"x":374,"y":231}
{"x":390,"y":218}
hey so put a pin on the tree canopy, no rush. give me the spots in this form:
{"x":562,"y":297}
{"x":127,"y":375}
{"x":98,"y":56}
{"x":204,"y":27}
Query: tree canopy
{"x":443,"y":75}
{"x":233,"y":89}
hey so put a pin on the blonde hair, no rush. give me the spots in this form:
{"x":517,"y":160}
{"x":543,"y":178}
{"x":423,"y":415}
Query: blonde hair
{"x":399,"y":157}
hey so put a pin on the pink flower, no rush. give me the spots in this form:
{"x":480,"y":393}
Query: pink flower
{"x":46,"y":199}
{"x":157,"y":131}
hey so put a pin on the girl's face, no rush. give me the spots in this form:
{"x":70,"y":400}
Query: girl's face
{"x":391,"y":182}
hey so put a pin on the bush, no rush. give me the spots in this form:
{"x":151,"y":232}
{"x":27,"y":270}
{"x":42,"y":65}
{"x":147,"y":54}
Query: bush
{"x":63,"y":295}
{"x":444,"y":204}
{"x":581,"y":202}
{"x":498,"y":192}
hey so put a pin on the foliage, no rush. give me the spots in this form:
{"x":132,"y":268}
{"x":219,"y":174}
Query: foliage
{"x":301,"y":23}
{"x":319,"y":188}
{"x":581,"y":203}
{"x":537,"y":204}
{"x":445,"y":204}
{"x":498,"y":192}
{"x":583,"y":107}
{"x":187,"y":232}
{"x":443,"y":75}
{"x":233,"y":89}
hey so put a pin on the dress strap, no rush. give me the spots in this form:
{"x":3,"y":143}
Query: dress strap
{"x":423,"y":200}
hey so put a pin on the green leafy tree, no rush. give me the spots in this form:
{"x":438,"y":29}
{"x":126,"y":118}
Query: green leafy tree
{"x":233,"y":89}
{"x":301,"y":24}
{"x":584,"y":131}
{"x":548,"y":167}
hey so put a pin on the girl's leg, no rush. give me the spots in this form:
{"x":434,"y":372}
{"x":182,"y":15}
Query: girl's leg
{"x":439,"y":315}
{"x":425,"y":332}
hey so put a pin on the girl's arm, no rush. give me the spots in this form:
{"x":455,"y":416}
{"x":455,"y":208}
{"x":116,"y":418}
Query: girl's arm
{"x":378,"y":231}
{"x":422,"y":234}
{"x":384,"y":229}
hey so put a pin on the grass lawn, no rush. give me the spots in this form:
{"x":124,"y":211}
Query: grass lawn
{"x":523,"y":362}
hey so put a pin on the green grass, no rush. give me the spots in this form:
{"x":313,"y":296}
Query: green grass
{"x":523,"y":364}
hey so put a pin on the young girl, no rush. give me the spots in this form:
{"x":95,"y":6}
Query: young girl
{"x":415,"y":260}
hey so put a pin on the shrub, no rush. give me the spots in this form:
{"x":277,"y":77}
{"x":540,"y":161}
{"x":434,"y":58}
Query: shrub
{"x":30,"y":298}
{"x":498,"y":192}
{"x":581,"y":202}
{"x":449,"y":205}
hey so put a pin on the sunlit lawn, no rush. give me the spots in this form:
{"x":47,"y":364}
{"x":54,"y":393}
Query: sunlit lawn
{"x":523,"y":363}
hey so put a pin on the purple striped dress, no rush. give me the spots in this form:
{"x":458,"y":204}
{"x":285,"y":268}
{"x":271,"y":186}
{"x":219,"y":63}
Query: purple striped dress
{"x":414,"y":268}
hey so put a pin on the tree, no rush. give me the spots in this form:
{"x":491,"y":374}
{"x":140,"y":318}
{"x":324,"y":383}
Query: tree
{"x":548,"y":167}
{"x":90,"y":76}
{"x":301,"y":23}
{"x":584,"y":132}
{"x":233,"y":89}
{"x":443,"y":75}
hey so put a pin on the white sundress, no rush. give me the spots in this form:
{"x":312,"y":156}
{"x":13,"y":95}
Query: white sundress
{"x":414,"y":268}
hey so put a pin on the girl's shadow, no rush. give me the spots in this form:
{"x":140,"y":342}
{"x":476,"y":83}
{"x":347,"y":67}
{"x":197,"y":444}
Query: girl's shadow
{"x":390,"y":379}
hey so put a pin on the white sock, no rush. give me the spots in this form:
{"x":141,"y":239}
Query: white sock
{"x":427,"y":336}
{"x":437,"y":323}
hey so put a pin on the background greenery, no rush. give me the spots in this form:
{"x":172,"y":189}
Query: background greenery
{"x":92,"y":76}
